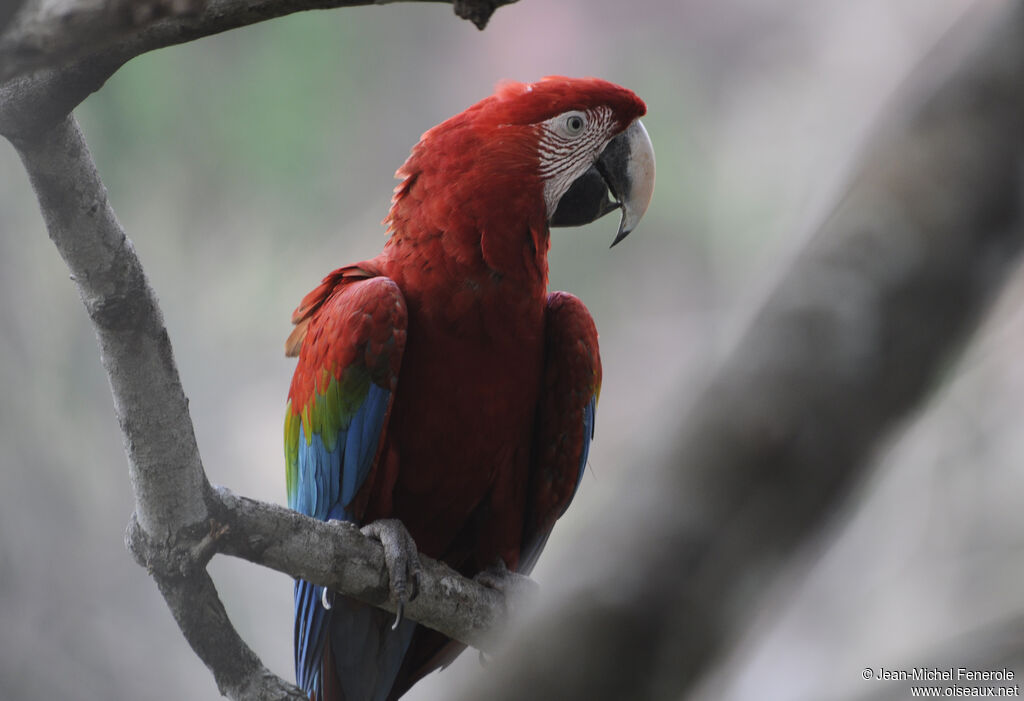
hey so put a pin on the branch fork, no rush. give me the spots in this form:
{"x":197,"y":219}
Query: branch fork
{"x":183,"y":555}
{"x":181,"y":521}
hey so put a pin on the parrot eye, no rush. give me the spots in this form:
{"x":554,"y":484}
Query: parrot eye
{"x":574,"y":123}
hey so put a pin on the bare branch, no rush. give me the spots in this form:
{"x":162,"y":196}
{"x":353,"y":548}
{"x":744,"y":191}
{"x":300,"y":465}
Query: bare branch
{"x":48,"y":33}
{"x":164,"y":466}
{"x":201,"y":616}
{"x":851,"y":341}
{"x":337,"y":555}
{"x":180,"y":521}
{"x":54,"y":54}
{"x":334,"y":554}
{"x":151,"y":407}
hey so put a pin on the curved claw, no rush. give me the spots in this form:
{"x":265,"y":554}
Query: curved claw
{"x":402,"y":560}
{"x":325,"y":600}
{"x":398,"y":615}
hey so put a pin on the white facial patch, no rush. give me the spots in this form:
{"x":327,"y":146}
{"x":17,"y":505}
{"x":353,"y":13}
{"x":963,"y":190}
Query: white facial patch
{"x":569,"y":145}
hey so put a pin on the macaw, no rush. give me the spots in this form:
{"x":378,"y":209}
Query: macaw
{"x":443,"y":398}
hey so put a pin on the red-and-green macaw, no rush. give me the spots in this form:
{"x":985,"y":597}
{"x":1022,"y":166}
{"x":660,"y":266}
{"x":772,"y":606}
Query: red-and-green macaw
{"x":440,"y":386}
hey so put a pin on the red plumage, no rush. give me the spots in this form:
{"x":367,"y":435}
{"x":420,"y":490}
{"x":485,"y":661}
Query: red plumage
{"x":481,"y":450}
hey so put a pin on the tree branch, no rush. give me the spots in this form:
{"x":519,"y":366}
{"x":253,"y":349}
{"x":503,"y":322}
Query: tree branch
{"x":48,"y":33}
{"x":852,"y":339}
{"x":180,"y":521}
{"x":335,"y":554}
{"x":199,"y":613}
{"x":164,"y":464}
{"x":54,"y":54}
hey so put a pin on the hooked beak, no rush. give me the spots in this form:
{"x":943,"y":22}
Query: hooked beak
{"x":622,"y":177}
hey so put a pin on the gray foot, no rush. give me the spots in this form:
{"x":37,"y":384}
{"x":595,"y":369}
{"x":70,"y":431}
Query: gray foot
{"x":402,"y":559}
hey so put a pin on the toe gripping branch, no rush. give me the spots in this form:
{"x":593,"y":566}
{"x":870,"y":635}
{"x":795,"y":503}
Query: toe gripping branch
{"x":402,"y":559}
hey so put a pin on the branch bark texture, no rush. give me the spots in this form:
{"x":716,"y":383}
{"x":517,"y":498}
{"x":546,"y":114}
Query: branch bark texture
{"x":337,"y":555}
{"x":851,"y":340}
{"x":180,"y":521}
{"x":52,"y":55}
{"x":164,"y":463}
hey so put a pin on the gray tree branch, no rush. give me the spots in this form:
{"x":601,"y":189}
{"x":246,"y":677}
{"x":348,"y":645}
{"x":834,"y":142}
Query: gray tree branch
{"x":337,"y":555}
{"x":852,"y":339}
{"x":333,"y":554}
{"x":180,"y":521}
{"x":55,"y":53}
{"x":200,"y":615}
{"x":164,"y":465}
{"x":49,"y":33}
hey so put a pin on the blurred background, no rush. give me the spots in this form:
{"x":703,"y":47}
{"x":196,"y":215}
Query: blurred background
{"x":246,"y":166}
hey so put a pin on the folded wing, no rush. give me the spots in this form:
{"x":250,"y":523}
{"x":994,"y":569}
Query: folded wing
{"x":565,"y":419}
{"x":349,"y":336}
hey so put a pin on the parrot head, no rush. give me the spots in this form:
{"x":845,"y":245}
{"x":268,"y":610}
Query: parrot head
{"x":561,"y":151}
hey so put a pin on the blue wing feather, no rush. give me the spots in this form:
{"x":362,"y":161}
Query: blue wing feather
{"x":589,"y":414}
{"x":328,"y":481}
{"x":350,"y":336}
{"x":310,"y":630}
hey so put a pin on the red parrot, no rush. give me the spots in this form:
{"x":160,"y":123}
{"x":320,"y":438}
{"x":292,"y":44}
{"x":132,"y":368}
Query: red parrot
{"x":443,"y":398}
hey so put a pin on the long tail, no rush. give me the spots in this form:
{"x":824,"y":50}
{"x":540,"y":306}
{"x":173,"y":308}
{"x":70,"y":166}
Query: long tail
{"x":347,"y":652}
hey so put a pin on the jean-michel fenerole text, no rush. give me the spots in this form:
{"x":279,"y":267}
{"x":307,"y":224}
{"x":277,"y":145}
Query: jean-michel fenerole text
{"x":945,"y":674}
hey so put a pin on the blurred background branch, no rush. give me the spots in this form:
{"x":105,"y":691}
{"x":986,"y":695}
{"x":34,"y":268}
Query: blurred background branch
{"x":7,"y":12}
{"x":854,"y":337}
{"x":995,"y":645}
